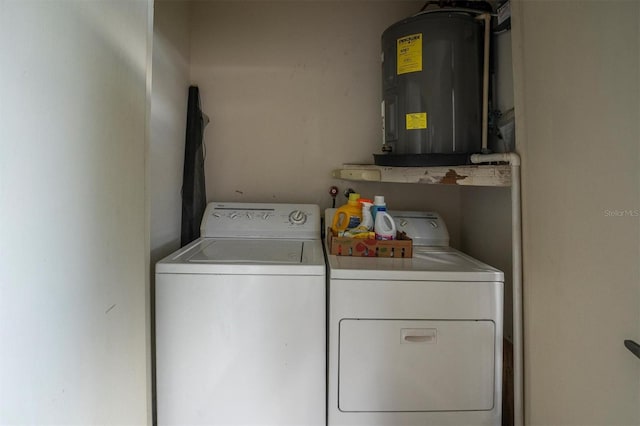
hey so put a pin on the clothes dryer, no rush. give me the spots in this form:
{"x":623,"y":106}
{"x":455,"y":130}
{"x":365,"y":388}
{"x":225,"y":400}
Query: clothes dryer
{"x":415,"y":340}
{"x":240,"y":320}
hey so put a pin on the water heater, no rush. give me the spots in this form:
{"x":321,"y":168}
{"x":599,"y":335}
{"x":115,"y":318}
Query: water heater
{"x":432,"y":67}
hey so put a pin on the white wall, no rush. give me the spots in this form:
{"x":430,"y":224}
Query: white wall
{"x":168,"y":123}
{"x":73,"y":216}
{"x":293,"y":91}
{"x":578,"y":105}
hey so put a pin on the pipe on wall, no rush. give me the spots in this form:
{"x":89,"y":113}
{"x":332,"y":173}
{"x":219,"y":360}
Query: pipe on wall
{"x":516,"y":246}
{"x":486,"y":17}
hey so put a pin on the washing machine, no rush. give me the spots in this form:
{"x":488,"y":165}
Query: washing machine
{"x":414,"y":341}
{"x":241,"y":320}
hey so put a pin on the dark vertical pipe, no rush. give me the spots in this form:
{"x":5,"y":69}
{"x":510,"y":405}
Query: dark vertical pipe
{"x":194,"y":197}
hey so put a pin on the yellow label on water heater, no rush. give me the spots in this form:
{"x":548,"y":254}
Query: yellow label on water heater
{"x":416,"y":120}
{"x":409,"y":50}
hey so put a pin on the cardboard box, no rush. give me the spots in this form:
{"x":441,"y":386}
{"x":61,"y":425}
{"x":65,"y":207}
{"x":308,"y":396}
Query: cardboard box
{"x":402,"y":246}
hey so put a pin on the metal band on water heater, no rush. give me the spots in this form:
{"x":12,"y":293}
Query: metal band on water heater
{"x":432,"y":89}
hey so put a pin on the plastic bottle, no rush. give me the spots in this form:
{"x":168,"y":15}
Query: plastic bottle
{"x":367,"y":219}
{"x":378,"y":201}
{"x":349,"y":215}
{"x":385,"y":227}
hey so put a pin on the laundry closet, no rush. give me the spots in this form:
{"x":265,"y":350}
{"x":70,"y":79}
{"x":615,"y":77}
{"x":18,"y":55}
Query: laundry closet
{"x":293,"y":90}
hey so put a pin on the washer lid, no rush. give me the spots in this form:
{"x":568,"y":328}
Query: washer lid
{"x":427,"y":264}
{"x":246,"y":256}
{"x":248,"y":251}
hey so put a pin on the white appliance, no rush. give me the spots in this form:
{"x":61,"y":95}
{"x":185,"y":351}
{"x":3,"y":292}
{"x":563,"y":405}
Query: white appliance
{"x":240,"y":320}
{"x":415,"y":341}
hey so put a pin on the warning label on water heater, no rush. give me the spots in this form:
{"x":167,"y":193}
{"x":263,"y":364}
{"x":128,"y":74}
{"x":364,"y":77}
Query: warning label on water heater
{"x":409,"y":50}
{"x":416,"y":120}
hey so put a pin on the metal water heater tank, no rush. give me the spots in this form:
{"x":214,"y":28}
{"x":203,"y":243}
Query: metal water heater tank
{"x":432,"y":68}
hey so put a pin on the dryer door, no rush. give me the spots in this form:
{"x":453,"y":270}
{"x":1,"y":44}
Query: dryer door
{"x":416,"y":365}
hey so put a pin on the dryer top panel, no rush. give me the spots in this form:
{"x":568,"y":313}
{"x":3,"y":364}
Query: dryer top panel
{"x":427,"y":264}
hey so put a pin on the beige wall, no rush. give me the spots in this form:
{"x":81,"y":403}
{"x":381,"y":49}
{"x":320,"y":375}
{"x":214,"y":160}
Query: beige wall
{"x":168,"y":126}
{"x":73,"y":212}
{"x":578,"y":105}
{"x":293,"y":91}
{"x":485,"y":234}
{"x":168,"y":123}
{"x":485,"y":229}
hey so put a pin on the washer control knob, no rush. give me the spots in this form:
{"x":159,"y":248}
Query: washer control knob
{"x":297,"y":217}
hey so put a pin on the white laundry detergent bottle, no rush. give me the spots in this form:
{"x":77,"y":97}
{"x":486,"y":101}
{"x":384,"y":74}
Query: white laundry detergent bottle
{"x":385,"y":227}
{"x":367,"y":219}
{"x":378,"y":202}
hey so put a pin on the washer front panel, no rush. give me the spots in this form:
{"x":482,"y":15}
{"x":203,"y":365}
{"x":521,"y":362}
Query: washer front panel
{"x":240,"y":349}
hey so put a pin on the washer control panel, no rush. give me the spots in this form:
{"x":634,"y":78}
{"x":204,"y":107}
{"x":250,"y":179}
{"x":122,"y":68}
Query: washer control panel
{"x":261,"y":220}
{"x":297,"y":217}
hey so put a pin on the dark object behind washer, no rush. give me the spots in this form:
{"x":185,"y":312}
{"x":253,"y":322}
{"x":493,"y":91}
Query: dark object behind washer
{"x":194,"y":195}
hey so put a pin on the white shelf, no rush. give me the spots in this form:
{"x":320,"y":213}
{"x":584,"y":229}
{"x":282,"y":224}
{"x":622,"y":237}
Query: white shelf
{"x":480,"y":175}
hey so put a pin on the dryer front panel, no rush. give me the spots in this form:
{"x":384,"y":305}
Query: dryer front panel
{"x":389,"y":365}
